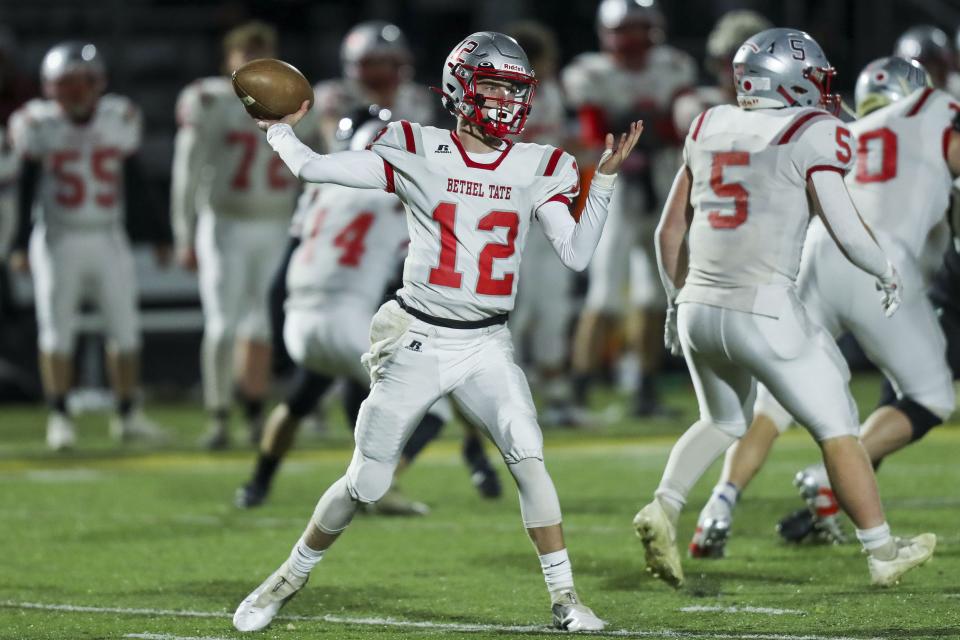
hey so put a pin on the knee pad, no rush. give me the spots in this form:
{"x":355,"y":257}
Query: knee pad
{"x":308,"y":388}
{"x":335,"y":509}
{"x":368,"y":480}
{"x":921,"y":419}
{"x":539,"y":505}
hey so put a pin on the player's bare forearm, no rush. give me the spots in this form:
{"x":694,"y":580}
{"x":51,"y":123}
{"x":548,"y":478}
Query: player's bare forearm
{"x":670,"y":243}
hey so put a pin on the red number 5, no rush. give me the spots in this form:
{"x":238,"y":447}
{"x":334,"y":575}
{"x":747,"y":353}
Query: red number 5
{"x":733,"y":190}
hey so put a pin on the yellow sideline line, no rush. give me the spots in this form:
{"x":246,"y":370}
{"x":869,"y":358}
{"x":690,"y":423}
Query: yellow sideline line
{"x":141,"y":461}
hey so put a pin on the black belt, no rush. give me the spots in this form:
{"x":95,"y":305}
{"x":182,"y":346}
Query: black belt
{"x":500,"y":318}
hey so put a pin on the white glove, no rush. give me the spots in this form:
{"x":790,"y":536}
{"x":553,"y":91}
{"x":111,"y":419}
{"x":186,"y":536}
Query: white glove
{"x":671,"y":337}
{"x":891,"y":290}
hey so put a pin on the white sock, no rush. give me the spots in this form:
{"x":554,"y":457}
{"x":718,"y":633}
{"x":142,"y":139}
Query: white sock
{"x":557,"y":572}
{"x":696,"y":450}
{"x":723,"y":500}
{"x":878,"y":542}
{"x":303,"y":559}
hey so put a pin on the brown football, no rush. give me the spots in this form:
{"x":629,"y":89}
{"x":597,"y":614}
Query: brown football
{"x":271,"y":89}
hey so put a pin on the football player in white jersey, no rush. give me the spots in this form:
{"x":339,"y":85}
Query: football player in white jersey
{"x":231,"y":203}
{"x":353,"y":241}
{"x":722,"y":43}
{"x":78,"y":147}
{"x":636,"y":76}
{"x":742,"y":194}
{"x":471,"y":197}
{"x":377,"y":69}
{"x":908,"y":152}
{"x":540,"y":322}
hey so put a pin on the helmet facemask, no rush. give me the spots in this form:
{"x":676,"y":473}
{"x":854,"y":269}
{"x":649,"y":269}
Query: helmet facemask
{"x":822,"y":79}
{"x":498,"y":113}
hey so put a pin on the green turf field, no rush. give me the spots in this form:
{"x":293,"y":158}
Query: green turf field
{"x":103,"y":543}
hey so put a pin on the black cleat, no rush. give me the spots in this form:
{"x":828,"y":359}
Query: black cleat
{"x":482,"y":475}
{"x":250,"y":495}
{"x":796,"y":526}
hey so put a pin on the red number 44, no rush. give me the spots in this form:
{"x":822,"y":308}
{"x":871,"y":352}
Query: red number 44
{"x":445,"y":274}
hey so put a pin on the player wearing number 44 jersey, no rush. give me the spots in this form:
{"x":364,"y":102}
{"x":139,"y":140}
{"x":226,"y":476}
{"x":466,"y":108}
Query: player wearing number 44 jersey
{"x":742,"y":195}
{"x":79,"y":174}
{"x":470,"y":197}
{"x":908,"y":150}
{"x":232,"y":198}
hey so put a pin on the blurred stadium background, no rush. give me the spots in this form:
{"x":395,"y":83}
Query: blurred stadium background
{"x":155,"y":48}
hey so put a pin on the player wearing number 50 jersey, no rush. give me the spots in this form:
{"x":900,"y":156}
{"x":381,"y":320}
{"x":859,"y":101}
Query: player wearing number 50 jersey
{"x":908,"y":150}
{"x":470,"y":197}
{"x":232,"y":199}
{"x":742,"y":195}
{"x":79,"y":173}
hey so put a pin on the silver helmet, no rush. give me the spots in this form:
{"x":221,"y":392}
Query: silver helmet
{"x":357,"y":129}
{"x":886,"y":80}
{"x":374,"y":37}
{"x":612,"y":14}
{"x":924,"y":43}
{"x":68,"y":57}
{"x":783,"y":68}
{"x":488,"y":55}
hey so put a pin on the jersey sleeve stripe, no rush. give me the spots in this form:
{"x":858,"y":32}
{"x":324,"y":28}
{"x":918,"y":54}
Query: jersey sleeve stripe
{"x":408,"y":136}
{"x":388,"y":172}
{"x":699,"y":123}
{"x":920,"y":102}
{"x":559,"y":198}
{"x":552,"y":163}
{"x":799,"y":123}
{"x":824,"y":167}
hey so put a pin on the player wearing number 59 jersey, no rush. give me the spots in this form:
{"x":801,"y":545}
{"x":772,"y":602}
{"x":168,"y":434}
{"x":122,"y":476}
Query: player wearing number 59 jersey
{"x":908,"y":150}
{"x":79,"y":174}
{"x":729,"y":240}
{"x":470,"y":197}
{"x":232,"y":199}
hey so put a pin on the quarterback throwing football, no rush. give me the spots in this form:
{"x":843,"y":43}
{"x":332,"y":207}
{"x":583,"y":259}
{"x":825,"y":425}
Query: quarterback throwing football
{"x":470,"y":197}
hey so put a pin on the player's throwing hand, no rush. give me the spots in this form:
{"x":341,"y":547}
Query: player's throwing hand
{"x":612,"y":157}
{"x":291,"y":119}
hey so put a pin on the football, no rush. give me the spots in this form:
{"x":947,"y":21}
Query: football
{"x":271,"y":89}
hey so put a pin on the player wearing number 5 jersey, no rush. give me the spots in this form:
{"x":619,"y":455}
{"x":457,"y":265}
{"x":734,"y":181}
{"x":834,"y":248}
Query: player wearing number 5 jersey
{"x":742,"y":194}
{"x":470,"y":197}
{"x":232,"y":199}
{"x":78,"y":175}
{"x":908,"y":150}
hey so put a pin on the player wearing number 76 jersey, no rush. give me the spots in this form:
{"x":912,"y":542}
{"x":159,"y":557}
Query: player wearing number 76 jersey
{"x":742,"y":195}
{"x":231,"y":200}
{"x":470,"y":196}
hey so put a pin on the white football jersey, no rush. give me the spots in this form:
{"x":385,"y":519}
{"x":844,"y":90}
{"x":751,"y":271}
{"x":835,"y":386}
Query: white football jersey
{"x":749,"y":197}
{"x":81,"y":183}
{"x":624,"y":94}
{"x":901,"y":183}
{"x":352,"y":244}
{"x":468,"y":215}
{"x":229,"y":167}
{"x":341,"y":97}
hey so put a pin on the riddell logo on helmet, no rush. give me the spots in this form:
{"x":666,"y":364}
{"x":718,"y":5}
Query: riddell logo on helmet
{"x":513,"y":67}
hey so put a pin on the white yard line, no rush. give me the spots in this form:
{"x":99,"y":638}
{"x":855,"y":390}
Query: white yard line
{"x":405,"y":624}
{"x":168,"y":636}
{"x":769,"y":611}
